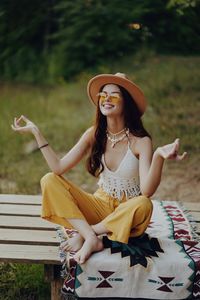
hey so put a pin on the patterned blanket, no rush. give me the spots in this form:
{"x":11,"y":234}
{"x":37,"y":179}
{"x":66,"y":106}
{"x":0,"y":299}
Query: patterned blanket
{"x":163,"y":263}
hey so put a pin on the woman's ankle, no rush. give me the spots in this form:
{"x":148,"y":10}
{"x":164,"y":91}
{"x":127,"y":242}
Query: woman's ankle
{"x":99,"y":228}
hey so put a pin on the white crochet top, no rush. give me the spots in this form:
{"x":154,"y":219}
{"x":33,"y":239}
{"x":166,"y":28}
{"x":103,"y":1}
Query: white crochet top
{"x":125,"y":180}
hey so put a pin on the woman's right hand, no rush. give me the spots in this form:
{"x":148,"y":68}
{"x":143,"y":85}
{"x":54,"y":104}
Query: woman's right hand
{"x":28,"y":127}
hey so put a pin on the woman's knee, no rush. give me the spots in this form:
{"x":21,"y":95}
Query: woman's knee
{"x":146,"y":204}
{"x":48,"y":179}
{"x":142,"y":203}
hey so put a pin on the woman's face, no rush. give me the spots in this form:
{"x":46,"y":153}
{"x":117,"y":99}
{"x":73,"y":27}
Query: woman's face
{"x":111,"y":102}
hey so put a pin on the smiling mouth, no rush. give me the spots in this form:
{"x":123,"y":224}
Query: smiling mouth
{"x":108,"y":105}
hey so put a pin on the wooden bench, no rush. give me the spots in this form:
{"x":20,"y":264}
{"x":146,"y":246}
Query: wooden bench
{"x":26,"y":238}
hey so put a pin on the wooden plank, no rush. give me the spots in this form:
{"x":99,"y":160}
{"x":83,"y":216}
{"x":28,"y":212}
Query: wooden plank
{"x":21,"y":199}
{"x":192,"y":206}
{"x":21,"y":236}
{"x":20,"y":210}
{"x":29,"y":254}
{"x":23,"y":222}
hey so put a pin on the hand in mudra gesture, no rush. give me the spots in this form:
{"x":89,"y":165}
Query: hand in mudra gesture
{"x":23,"y":125}
{"x":170,"y":151}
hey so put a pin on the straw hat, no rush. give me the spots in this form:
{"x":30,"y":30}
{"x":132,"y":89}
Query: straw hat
{"x":95,"y":84}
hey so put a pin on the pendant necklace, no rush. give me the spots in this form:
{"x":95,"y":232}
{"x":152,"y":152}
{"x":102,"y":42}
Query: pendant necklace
{"x":113,"y":136}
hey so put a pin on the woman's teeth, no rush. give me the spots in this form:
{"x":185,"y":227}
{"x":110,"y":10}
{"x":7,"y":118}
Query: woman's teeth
{"x":108,"y":105}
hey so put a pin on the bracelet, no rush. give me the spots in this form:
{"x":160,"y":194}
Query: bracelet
{"x":45,"y":145}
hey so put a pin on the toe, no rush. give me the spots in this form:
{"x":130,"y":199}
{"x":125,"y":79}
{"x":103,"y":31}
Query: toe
{"x":67,"y":248}
{"x":77,"y":259}
{"x":63,"y":244}
{"x":82,"y":258}
{"x":82,"y":261}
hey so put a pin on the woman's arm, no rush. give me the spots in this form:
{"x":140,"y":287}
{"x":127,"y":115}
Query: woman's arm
{"x":57,"y":165}
{"x":151,"y":164}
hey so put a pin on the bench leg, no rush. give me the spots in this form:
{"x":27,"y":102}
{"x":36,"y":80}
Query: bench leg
{"x":52,"y":275}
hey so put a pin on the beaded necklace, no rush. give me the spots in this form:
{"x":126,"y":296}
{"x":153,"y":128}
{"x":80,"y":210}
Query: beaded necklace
{"x":113,"y":136}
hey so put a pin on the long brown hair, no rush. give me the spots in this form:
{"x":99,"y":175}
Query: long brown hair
{"x":132,"y":118}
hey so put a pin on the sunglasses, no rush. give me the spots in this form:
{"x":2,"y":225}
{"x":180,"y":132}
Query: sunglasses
{"x":113,"y":97}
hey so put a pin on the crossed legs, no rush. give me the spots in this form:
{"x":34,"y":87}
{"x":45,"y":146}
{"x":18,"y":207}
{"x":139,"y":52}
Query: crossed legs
{"x":66,"y":204}
{"x":86,"y":241}
{"x":131,"y":217}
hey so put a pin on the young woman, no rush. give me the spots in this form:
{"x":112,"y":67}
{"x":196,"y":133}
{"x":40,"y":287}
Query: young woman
{"x":120,"y":153}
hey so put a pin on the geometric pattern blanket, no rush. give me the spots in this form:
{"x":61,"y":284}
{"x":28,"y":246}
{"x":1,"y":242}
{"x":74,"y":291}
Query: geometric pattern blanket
{"x":163,"y":263}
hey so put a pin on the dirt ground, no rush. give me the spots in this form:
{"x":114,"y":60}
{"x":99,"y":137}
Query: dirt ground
{"x":180,"y":181}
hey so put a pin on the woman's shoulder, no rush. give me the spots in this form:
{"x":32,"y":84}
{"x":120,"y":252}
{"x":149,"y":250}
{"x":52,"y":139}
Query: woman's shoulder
{"x":144,"y":140}
{"x":140,"y":140}
{"x":138,"y":143}
{"x":89,"y":134}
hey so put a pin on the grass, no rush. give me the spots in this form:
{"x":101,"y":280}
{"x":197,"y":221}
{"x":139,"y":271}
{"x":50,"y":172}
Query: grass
{"x":22,"y":282}
{"x":63,"y":112}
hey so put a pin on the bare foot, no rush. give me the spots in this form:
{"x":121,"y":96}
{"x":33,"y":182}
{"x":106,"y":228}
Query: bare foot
{"x":73,"y":244}
{"x":92,"y":244}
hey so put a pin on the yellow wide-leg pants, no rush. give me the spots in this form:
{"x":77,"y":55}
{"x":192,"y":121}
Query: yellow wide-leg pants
{"x":62,"y":200}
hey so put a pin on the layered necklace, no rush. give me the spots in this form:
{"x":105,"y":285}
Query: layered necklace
{"x":113,"y":137}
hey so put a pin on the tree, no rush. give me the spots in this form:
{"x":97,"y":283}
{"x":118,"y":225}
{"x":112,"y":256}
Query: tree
{"x":44,"y":40}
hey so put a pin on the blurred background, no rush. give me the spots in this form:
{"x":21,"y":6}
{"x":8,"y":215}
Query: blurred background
{"x":50,"y":49}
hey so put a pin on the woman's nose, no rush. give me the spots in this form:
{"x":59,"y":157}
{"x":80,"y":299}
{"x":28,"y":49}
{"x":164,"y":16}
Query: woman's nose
{"x":107,"y":98}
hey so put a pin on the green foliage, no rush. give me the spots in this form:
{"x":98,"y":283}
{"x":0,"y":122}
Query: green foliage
{"x":23,"y":282}
{"x":171,"y":32}
{"x":48,"y":41}
{"x":182,"y":5}
{"x":94,"y":32}
{"x":24,"y":39}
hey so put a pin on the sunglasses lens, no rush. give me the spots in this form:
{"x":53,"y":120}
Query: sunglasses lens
{"x":102,"y":98}
{"x":113,"y":98}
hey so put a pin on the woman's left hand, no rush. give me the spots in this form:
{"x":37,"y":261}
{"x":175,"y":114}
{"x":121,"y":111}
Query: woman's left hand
{"x":170,"y":151}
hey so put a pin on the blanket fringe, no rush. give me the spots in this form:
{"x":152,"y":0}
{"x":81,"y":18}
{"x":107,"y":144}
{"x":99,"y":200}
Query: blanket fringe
{"x":66,"y":296}
{"x":192,"y":222}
